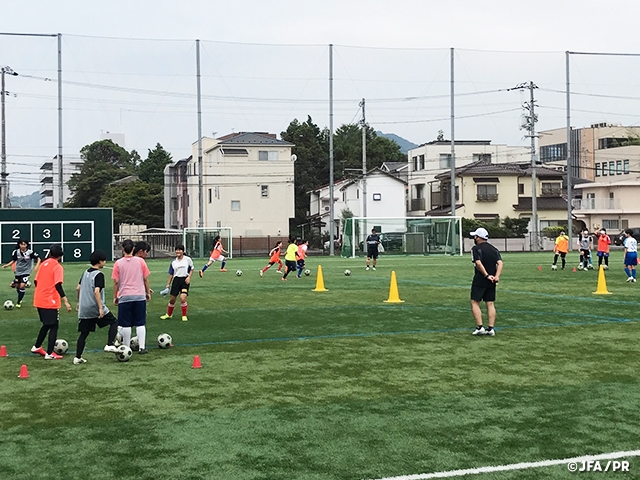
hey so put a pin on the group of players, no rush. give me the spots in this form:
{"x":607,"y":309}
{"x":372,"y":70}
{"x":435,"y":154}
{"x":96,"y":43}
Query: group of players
{"x":585,"y":245}
{"x":294,"y":258}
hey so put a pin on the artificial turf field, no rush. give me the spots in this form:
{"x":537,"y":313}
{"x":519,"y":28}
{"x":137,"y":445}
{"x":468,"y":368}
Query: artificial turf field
{"x":299,"y":384}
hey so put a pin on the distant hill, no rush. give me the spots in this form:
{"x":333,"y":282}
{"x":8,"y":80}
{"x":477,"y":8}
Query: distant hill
{"x":405,"y":145}
{"x":26,"y":201}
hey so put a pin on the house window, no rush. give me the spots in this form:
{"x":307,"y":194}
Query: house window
{"x":625,"y":167}
{"x":612,"y":168}
{"x":611,"y":224}
{"x":344,"y":195}
{"x":487,"y":193}
{"x":485,"y":157}
{"x":553,"y":189}
{"x":618,"y":167}
{"x":445,"y":160}
{"x":264,"y":191}
{"x":521,"y":189}
{"x":415,"y":163}
{"x":218,"y":224}
{"x":377,"y":197}
{"x":235,"y":205}
{"x":604,"y":169}
{"x":597,"y":169}
{"x":267,"y":155}
{"x":210,"y":195}
{"x":421,"y":162}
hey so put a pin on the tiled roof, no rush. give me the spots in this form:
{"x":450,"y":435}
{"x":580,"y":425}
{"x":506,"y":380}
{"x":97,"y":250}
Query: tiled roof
{"x":483,"y":167}
{"x":251,"y":138}
{"x":543,"y":203}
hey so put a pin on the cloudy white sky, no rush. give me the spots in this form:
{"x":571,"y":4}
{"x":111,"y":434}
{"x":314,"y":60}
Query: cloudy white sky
{"x":129,"y":68}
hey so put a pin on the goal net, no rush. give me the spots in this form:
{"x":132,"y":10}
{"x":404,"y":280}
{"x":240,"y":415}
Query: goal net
{"x":408,"y":235}
{"x":198,"y":241}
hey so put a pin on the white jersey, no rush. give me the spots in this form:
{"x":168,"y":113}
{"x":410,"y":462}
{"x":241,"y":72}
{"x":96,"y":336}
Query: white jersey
{"x":181,"y":268}
{"x":631,"y":244}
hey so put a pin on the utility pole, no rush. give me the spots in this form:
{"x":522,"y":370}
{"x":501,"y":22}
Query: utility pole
{"x":3,"y":176}
{"x":364,"y":161}
{"x":332,"y":228}
{"x":530,"y":126}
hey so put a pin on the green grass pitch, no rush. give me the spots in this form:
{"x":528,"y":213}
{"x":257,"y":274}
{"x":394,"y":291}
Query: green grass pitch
{"x":299,"y":384}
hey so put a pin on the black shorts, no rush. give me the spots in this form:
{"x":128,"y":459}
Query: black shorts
{"x":179,"y":286}
{"x":48,"y":316}
{"x":585,"y":253}
{"x":89,"y":324}
{"x":132,"y":314}
{"x":21,"y":279}
{"x":372,"y":252}
{"x":486,"y":293}
{"x":301,"y":263}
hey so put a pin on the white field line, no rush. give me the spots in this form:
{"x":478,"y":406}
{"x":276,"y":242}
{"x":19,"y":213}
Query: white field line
{"x":516,"y":466}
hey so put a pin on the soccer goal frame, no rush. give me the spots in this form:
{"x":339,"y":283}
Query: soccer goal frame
{"x":404,"y":235}
{"x":198,"y":241}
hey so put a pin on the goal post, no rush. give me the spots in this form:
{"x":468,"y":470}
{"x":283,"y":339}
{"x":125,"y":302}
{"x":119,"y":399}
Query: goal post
{"x":198,"y":241}
{"x":404,"y":235}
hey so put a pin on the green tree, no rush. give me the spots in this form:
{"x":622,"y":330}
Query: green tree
{"x":137,"y":202}
{"x":103,"y":163}
{"x":151,"y":170}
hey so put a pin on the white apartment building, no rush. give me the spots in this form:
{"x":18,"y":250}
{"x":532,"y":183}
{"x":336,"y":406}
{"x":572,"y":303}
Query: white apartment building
{"x":433,"y":158}
{"x":247,"y":185}
{"x":49,"y":180}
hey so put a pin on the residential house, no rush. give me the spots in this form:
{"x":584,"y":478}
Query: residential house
{"x":487,"y":191}
{"x":247,"y":185}
{"x":433,"y":158}
{"x":385,"y":198}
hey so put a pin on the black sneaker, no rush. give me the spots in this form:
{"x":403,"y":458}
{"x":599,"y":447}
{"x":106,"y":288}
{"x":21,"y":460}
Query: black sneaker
{"x":142,"y":351}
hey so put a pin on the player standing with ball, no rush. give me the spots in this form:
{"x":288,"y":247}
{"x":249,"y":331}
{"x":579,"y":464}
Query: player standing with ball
{"x":180,"y":272}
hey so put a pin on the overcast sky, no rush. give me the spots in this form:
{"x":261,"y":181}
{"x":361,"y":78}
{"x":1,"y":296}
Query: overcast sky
{"x":129,"y":67}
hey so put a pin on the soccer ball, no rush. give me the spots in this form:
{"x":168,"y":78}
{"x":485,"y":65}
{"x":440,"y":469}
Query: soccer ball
{"x":554,"y":267}
{"x":307,"y":272}
{"x":164,"y":340}
{"x":238,"y":272}
{"x":589,"y":267}
{"x":8,"y":305}
{"x":135,"y":345}
{"x":124,"y":353}
{"x":580,"y":266}
{"x":61,"y":346}
{"x":347,"y":272}
{"x":28,"y":284}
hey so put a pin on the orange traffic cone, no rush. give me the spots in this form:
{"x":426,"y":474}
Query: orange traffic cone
{"x":24,"y":373}
{"x":575,"y":269}
{"x":540,"y":267}
{"x":3,"y":351}
{"x":319,"y":281}
{"x":602,"y":283}
{"x":394,"y":297}
{"x":196,"y":362}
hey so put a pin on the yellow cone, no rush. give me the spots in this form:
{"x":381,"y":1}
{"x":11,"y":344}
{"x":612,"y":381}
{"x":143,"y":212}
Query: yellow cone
{"x":602,"y":283}
{"x":319,"y":281}
{"x":394,"y":297}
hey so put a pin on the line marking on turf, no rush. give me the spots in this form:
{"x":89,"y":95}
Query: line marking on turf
{"x":517,"y":466}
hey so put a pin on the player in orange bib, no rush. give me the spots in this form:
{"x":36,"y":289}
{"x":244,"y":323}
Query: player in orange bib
{"x":561,"y":249}
{"x":274,"y":257}
{"x":302,"y":254}
{"x":604,"y":241}
{"x":216,"y":256}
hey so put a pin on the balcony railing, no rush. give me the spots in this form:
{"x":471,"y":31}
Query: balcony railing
{"x":596,"y":204}
{"x":487,"y":197}
{"x":46,"y":201}
{"x":46,"y":188}
{"x":418,"y":204}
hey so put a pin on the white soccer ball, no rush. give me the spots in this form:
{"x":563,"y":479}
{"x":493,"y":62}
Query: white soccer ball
{"x":580,"y":266}
{"x":307,"y":272}
{"x":124,"y":353}
{"x":347,"y":272}
{"x":61,"y":346}
{"x":238,"y":272}
{"x":8,"y":305}
{"x":28,"y":284}
{"x":164,"y":340}
{"x":554,"y":267}
{"x":589,"y":267}
{"x":134,"y":344}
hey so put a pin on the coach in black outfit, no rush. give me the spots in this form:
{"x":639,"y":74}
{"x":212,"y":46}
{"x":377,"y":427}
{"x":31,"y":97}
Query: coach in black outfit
{"x":373,"y":241}
{"x":488,"y":263}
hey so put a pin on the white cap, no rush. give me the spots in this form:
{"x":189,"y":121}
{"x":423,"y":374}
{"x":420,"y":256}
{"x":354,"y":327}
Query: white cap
{"x":480,"y":232}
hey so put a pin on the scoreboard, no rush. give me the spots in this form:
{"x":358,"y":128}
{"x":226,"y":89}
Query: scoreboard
{"x":80,"y":231}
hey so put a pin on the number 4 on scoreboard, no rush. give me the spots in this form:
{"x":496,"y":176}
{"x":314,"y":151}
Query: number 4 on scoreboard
{"x":77,"y":233}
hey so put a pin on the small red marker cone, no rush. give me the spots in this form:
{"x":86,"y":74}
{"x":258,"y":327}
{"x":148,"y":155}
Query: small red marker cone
{"x":575,"y":269}
{"x":196,"y":362}
{"x":24,"y":373}
{"x":3,"y":351}
{"x":540,"y":267}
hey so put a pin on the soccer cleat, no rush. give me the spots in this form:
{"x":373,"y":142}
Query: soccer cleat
{"x":373,"y":268}
{"x":53,"y":356}
{"x":201,"y":273}
{"x":111,"y":349}
{"x":39,"y":350}
{"x":166,"y":316}
{"x":606,"y":267}
{"x":491,"y":332}
{"x":479,"y":331}
{"x":142,"y":351}
{"x":367,"y":268}
{"x":280,"y":272}
{"x":184,"y":318}
{"x":261,"y":273}
{"x":284,"y":279}
{"x":223,"y":269}
{"x":18,"y":305}
{"x":78,"y":361}
{"x":633,"y":279}
{"x":554,"y":267}
{"x":629,"y":279}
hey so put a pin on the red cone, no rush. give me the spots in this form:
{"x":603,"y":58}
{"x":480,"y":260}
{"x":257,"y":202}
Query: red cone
{"x":3,"y":351}
{"x":24,"y":373}
{"x":196,"y":362}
